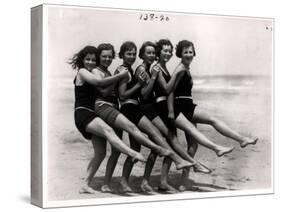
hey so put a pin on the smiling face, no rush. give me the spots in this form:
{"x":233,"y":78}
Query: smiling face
{"x":166,"y":53}
{"x":106,"y":58}
{"x":130,"y":56}
{"x":149,"y":55}
{"x":187,"y":55}
{"x":89,"y":61}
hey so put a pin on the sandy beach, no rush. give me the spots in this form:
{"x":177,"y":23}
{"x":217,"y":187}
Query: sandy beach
{"x":247,"y":111}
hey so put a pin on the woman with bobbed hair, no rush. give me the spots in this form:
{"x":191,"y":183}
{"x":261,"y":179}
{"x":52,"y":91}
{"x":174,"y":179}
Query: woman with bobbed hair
{"x":183,"y":102}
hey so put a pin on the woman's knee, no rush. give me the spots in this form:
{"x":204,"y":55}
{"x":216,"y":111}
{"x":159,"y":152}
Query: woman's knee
{"x":108,"y":131}
{"x":212,"y":120}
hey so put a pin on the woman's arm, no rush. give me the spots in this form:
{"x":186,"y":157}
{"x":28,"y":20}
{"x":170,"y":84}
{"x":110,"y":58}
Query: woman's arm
{"x":124,"y":93}
{"x":97,"y":81}
{"x":167,"y":87}
{"x":146,"y":90}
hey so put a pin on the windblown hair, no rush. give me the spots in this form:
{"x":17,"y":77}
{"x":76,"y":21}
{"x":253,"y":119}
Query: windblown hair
{"x":77,"y":60}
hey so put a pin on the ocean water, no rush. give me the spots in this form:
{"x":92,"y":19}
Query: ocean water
{"x":224,"y":84}
{"x":232,"y":84}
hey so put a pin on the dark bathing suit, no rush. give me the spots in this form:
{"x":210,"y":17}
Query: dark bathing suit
{"x":183,"y":102}
{"x":84,"y":107}
{"x":148,"y":105}
{"x":130,"y":107}
{"x":107,"y":107}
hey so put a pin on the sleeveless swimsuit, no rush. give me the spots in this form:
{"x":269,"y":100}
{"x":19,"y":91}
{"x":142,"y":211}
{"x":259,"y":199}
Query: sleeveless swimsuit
{"x":84,"y":107}
{"x":107,"y":107}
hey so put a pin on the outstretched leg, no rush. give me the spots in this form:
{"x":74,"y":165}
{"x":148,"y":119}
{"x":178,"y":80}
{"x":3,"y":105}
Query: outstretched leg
{"x":155,"y":135}
{"x":124,"y":124}
{"x":170,"y":134}
{"x":100,"y":128}
{"x":201,"y":116}
{"x":184,"y":124}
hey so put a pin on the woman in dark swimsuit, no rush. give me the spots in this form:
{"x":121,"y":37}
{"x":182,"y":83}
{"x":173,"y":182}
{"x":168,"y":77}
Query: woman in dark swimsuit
{"x":86,"y":120}
{"x":147,"y":105}
{"x":186,"y":111}
{"x":130,"y":107}
{"x":106,"y":107}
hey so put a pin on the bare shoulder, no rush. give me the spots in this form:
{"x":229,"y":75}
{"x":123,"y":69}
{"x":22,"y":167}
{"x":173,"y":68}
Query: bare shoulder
{"x":140,"y":69}
{"x":98,"y":73}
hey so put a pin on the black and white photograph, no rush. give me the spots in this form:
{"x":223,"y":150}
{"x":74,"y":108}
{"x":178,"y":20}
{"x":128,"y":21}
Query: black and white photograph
{"x":141,"y":106}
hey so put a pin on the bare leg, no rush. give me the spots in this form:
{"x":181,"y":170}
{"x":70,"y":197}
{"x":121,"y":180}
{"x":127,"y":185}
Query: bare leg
{"x":173,"y":141}
{"x":124,"y":124}
{"x":201,"y":116}
{"x":145,"y":187}
{"x":171,"y":137}
{"x":99,"y":145}
{"x":164,"y":185}
{"x":192,"y":147}
{"x":185,"y":125}
{"x":128,"y":166}
{"x":155,"y":135}
{"x":110,"y":167}
{"x":100,"y":128}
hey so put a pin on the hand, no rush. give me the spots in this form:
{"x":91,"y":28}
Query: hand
{"x":143,"y":77}
{"x":154,"y":72}
{"x":125,"y":74}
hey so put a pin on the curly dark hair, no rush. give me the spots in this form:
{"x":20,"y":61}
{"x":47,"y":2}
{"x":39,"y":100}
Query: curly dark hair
{"x":126,"y":46}
{"x":184,"y":44}
{"x":143,"y":46}
{"x":77,"y":60}
{"x":160,"y":44}
{"x":104,"y":46}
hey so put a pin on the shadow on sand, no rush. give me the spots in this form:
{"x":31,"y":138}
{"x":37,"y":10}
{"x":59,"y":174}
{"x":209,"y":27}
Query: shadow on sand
{"x":135,"y":182}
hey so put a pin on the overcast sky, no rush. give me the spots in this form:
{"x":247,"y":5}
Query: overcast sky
{"x":224,"y":44}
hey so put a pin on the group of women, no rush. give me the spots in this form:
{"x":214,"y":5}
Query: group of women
{"x":149,"y":104}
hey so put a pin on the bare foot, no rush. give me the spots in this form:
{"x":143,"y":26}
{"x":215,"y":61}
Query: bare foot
{"x":199,"y":167}
{"x":166,"y":187}
{"x":183,"y":188}
{"x":145,"y":187}
{"x":248,"y":141}
{"x":224,"y":150}
{"x":124,"y":187}
{"x":86,"y":190}
{"x":184,"y":164}
{"x":106,"y":189}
